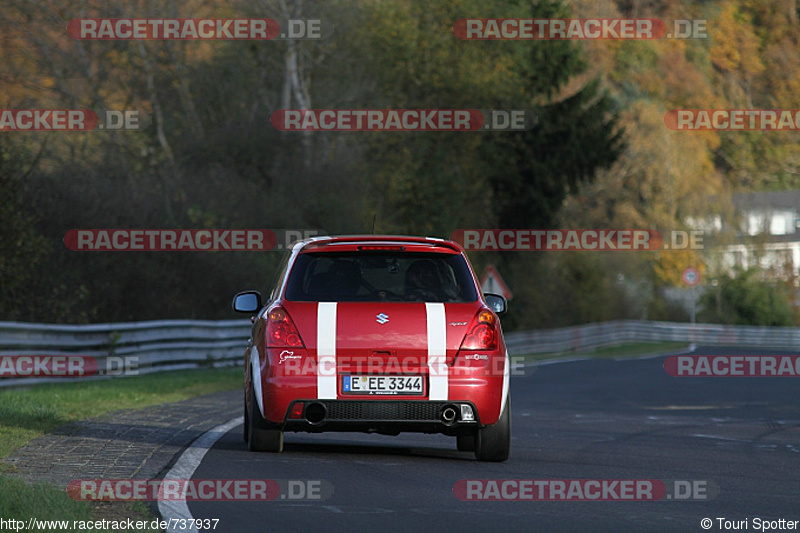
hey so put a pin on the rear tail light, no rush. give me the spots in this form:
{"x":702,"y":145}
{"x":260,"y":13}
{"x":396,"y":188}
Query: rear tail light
{"x":281,"y":331}
{"x":482,"y":332}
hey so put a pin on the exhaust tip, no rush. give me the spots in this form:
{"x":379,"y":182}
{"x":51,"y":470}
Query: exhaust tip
{"x":316,"y":413}
{"x":449,"y":414}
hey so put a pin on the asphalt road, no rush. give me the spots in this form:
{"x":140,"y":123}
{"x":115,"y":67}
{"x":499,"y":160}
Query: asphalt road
{"x":597,"y":419}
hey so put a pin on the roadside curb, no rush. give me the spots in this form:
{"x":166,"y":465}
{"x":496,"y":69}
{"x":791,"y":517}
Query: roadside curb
{"x":129,"y":444}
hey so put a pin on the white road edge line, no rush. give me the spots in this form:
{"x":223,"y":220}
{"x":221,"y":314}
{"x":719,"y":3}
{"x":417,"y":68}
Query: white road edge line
{"x":184,"y":468}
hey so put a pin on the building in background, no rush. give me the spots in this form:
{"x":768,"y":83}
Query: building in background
{"x":764,"y":233}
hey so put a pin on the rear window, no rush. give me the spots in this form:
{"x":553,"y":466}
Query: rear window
{"x":380,"y":277}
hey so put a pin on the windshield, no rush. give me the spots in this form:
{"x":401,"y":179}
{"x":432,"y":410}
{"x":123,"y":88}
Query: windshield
{"x":380,"y":276}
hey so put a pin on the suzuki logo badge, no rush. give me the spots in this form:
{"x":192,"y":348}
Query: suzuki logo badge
{"x":383,"y":318}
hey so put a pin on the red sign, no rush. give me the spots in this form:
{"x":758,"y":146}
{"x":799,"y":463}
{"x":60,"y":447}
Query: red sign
{"x":492,"y":282}
{"x":691,"y":276}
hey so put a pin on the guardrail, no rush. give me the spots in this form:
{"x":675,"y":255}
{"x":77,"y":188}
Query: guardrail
{"x":589,"y":337}
{"x":177,"y":344}
{"x":150,"y":346}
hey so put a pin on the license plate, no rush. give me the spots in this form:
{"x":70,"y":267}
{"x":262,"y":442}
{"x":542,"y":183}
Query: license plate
{"x":408,"y":385}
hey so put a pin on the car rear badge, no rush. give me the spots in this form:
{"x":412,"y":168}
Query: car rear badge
{"x":382,"y":318}
{"x":287,"y":354}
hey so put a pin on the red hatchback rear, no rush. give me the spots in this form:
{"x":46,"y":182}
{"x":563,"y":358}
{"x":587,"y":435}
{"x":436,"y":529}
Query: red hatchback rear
{"x":377,"y":334}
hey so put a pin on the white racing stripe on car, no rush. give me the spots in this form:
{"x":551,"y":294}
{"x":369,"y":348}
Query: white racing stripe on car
{"x":437,"y":351}
{"x":326,"y":351}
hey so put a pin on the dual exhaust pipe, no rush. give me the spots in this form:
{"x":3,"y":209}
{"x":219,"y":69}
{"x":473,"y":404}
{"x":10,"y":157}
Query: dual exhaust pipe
{"x":316,"y":412}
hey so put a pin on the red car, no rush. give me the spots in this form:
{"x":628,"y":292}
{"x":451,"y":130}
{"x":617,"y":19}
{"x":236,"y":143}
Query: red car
{"x":377,"y":334}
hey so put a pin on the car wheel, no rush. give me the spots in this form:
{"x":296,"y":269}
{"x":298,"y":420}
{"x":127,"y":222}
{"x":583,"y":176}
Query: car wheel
{"x":465,"y":443}
{"x":260,"y":438}
{"x":493,"y":443}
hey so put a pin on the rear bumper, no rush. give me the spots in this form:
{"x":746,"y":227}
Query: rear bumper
{"x":383,"y":416}
{"x":484,"y":392}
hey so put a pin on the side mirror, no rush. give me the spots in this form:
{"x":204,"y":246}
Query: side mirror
{"x":247,"y":302}
{"x":498,"y":303}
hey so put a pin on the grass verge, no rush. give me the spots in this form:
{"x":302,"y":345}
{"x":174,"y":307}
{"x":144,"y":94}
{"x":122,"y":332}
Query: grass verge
{"x":635,"y":349}
{"x":27,"y":413}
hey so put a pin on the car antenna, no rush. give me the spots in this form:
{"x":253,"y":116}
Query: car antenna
{"x":373,"y":222}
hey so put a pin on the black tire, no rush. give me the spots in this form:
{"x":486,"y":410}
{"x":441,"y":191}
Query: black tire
{"x":465,"y":443}
{"x":261,"y":438}
{"x":493,"y":443}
